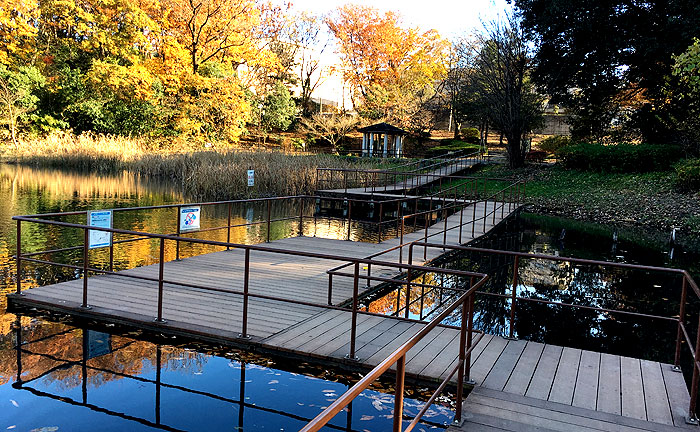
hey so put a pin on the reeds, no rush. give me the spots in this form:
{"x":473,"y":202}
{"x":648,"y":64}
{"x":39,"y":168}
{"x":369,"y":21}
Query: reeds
{"x":200,"y":174}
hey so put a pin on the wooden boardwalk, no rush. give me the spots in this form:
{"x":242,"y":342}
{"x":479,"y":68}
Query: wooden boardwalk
{"x":618,"y":388}
{"x":414,"y":181}
{"x":523,"y":386}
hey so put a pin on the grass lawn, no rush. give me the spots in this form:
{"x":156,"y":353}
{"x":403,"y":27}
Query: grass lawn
{"x":650,"y":199}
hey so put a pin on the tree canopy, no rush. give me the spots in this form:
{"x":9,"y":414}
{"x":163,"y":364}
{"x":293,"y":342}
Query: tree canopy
{"x":610,"y":61}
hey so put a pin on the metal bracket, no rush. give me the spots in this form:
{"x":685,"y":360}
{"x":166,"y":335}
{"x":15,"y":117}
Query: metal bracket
{"x":692,"y":420}
{"x":458,"y":423}
{"x":470,"y":382}
{"x":85,"y":307}
{"x":347,"y":356}
{"x":240,"y":335}
{"x":677,"y":369}
{"x":510,"y":338}
{"x":161,"y":321}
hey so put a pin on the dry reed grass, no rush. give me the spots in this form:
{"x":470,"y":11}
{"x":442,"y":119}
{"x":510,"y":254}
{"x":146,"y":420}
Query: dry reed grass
{"x":201,"y":174}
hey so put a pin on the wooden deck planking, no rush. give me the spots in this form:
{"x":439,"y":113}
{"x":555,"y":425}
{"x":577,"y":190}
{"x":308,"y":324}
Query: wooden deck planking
{"x":525,"y":368}
{"x":632,"y":388}
{"x":655,"y":397}
{"x":565,"y":378}
{"x":494,"y":410}
{"x":542,"y":379}
{"x":586,"y":391}
{"x":504,"y":366}
{"x":609,"y":399}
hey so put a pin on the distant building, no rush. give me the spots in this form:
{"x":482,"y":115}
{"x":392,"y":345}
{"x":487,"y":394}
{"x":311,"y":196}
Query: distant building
{"x":556,"y":121}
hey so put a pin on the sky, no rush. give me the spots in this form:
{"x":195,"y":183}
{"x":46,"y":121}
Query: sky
{"x":449,"y":17}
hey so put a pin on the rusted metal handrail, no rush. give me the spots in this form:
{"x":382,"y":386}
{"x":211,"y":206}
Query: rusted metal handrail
{"x":682,"y":333}
{"x":398,"y":357}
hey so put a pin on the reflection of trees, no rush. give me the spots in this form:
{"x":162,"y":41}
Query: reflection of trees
{"x":57,"y":345}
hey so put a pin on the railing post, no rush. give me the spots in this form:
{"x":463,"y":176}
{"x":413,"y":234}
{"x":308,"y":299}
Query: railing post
{"x":369,"y":274}
{"x":408,"y":282}
{"x":470,"y":330}
{"x":353,"y":329}
{"x":398,"y":396}
{"x":381,"y":216}
{"x":111,"y":253}
{"x":398,"y":215}
{"x":503,"y":202}
{"x":681,"y":319}
{"x":177,"y":242}
{"x":473,"y":217}
{"x":159,"y":317}
{"x":415,"y":214}
{"x":301,"y":218}
{"x":513,"y":295}
{"x":330,"y":289}
{"x":349,"y":217}
{"x":228,"y":227}
{"x":246,"y":279}
{"x":269,"y":205}
{"x":401,"y":241}
{"x":486,"y":206}
{"x":461,"y":221}
{"x":86,"y":262}
{"x":19,"y":257}
{"x":692,"y":416}
{"x":460,"y":373}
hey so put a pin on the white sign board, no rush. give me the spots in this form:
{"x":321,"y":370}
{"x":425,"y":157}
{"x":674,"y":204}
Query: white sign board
{"x":189,"y":218}
{"x":251,"y":177}
{"x":101,"y":219}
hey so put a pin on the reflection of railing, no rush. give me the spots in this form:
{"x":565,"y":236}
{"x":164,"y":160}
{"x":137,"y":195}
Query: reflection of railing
{"x":157,"y":382}
{"x":682,"y":332}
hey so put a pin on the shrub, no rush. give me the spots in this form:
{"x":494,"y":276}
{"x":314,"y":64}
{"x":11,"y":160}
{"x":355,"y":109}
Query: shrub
{"x":688,"y":172}
{"x":470,"y":135}
{"x":536,"y":156}
{"x":554,"y":144}
{"x":623,"y":157}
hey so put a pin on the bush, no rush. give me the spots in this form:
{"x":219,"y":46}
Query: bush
{"x":451,"y":145}
{"x":554,"y":144}
{"x":621,"y":158}
{"x":470,"y":135}
{"x":688,"y":172}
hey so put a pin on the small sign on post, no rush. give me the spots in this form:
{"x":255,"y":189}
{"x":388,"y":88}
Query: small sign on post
{"x":251,"y":177}
{"x":100,"y":219}
{"x":189,"y":218}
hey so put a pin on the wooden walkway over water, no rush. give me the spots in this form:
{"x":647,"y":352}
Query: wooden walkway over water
{"x":518,"y":383}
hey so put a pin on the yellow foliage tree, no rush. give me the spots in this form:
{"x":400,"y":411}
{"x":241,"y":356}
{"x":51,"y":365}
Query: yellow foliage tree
{"x":392,"y":70}
{"x":17,"y":32}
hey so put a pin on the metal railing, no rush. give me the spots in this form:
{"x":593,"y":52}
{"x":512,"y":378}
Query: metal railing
{"x":401,"y":178}
{"x":682,"y":335}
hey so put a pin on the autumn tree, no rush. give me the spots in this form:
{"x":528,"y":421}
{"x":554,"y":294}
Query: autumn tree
{"x":392,"y":70}
{"x":310,"y":43}
{"x":332,"y":128}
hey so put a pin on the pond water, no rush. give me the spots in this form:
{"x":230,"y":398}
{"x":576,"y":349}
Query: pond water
{"x":76,"y":376}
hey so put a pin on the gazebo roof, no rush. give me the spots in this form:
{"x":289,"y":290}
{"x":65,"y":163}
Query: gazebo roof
{"x":383,"y":128}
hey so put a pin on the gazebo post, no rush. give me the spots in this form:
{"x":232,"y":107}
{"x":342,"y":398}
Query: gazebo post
{"x":371,"y":144}
{"x":364,"y":144}
{"x":386,"y":145}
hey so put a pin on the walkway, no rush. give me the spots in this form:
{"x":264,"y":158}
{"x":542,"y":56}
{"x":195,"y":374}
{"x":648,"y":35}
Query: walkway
{"x":523,"y":386}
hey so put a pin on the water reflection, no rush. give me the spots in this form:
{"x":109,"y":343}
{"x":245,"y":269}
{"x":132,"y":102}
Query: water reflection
{"x":544,"y":281}
{"x":61,"y":377}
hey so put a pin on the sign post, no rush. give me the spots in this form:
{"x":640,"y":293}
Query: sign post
{"x":100,"y":219}
{"x":251,"y":177}
{"x":190,"y":218}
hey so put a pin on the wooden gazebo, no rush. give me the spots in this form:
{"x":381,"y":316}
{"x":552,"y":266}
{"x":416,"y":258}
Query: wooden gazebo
{"x":388,"y":139}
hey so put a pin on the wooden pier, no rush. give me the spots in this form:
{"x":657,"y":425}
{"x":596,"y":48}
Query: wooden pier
{"x":287,"y":298}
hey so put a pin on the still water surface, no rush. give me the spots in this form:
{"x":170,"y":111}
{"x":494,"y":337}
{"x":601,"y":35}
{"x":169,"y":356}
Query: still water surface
{"x":82,"y":377}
